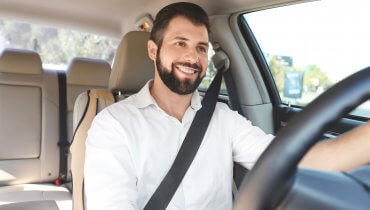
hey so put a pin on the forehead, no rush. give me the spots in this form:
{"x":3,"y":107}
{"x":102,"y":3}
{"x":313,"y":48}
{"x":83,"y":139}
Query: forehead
{"x":182,"y":27}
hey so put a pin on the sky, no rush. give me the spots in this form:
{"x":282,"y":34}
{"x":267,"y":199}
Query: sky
{"x":333,"y":34}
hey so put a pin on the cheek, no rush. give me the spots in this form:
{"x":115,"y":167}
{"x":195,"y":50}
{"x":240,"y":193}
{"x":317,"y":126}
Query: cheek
{"x":168,"y":56}
{"x":204,"y":64}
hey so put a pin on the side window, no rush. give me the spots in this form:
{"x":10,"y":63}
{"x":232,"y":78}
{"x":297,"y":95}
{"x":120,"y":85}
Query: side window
{"x":311,"y":46}
{"x":211,"y":73}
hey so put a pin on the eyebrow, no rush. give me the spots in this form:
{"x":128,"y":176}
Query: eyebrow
{"x":186,"y":39}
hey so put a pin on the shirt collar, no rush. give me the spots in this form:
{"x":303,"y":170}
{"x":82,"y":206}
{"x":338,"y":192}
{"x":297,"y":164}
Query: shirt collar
{"x":143,"y":98}
{"x":196,"y":103}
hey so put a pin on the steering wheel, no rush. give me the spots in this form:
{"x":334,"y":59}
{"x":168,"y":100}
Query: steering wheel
{"x":272,"y":177}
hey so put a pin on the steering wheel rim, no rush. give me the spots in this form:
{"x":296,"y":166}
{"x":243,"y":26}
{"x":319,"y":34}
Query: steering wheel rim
{"x":277,"y":166}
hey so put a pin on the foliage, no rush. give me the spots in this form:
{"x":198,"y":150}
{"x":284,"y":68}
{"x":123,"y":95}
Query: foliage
{"x":278,"y":72}
{"x":56,"y":46}
{"x":314,"y":77}
{"x":314,"y":73}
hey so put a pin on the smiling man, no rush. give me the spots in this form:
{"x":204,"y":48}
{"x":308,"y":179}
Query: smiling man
{"x":179,"y":47}
{"x":132,"y":144}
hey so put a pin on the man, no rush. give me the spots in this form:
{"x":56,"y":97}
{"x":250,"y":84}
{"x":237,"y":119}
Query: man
{"x":132,"y":144}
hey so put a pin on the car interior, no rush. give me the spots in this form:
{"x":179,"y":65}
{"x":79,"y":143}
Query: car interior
{"x":45,"y":112}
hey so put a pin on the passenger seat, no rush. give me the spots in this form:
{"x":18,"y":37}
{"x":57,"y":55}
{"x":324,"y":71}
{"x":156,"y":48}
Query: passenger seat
{"x":84,"y":74}
{"x":132,"y":68}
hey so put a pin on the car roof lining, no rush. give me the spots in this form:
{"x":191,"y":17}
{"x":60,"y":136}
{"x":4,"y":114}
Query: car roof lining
{"x":91,"y":15}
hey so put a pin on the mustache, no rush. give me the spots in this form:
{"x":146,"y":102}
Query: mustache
{"x":190,"y":65}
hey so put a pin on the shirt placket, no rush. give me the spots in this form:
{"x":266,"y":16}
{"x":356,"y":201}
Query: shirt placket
{"x":179,"y":198}
{"x":184,"y":187}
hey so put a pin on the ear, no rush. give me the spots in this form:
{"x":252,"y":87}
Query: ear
{"x":152,"y":50}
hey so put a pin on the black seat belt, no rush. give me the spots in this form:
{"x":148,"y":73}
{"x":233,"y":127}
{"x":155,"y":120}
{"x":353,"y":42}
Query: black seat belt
{"x":167,"y":188}
{"x":63,"y":142}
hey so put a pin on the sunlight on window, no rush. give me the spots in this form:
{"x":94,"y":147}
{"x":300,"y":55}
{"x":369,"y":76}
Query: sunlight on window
{"x":311,"y":46}
{"x":56,"y":46}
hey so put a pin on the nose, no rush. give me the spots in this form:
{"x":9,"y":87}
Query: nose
{"x":191,"y":56}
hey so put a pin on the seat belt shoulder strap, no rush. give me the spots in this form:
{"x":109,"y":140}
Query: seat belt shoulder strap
{"x":63,"y":142}
{"x":189,"y":148}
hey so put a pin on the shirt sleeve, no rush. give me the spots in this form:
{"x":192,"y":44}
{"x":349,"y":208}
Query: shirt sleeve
{"x":110,"y":180}
{"x":248,"y":142}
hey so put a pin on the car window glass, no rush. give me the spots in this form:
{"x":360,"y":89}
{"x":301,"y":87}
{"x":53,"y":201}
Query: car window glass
{"x":56,"y":46}
{"x":211,"y":73}
{"x":311,"y":46}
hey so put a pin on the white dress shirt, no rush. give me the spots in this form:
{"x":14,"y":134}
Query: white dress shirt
{"x":132,"y":144}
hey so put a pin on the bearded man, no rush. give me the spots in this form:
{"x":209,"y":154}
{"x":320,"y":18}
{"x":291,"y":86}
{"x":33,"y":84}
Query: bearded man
{"x":132,"y":144}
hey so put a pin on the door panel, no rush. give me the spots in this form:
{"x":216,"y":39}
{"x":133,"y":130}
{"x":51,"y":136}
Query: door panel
{"x":283,"y":113}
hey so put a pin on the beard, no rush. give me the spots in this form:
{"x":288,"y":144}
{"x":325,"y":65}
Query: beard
{"x":175,"y":84}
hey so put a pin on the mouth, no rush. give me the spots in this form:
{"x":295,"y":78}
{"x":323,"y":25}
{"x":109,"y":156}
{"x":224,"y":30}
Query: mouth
{"x":187,"y":70}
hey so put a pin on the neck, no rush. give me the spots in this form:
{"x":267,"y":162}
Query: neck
{"x":172,"y":103}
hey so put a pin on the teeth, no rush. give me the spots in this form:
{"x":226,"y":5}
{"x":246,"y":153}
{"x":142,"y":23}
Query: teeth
{"x":186,"y":70}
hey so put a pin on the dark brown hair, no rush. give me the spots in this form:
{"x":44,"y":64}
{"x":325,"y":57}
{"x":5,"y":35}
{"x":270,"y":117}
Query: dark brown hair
{"x":191,"y":11}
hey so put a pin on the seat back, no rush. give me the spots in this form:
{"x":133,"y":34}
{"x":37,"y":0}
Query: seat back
{"x":131,"y":70}
{"x":78,"y":143}
{"x":84,"y":74}
{"x":29,"y":129}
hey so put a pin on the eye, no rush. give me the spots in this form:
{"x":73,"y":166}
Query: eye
{"x":202,"y":49}
{"x":180,"y":44}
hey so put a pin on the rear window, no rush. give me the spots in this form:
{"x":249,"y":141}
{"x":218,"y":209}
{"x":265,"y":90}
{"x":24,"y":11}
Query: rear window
{"x":56,"y":46}
{"x":311,"y":46}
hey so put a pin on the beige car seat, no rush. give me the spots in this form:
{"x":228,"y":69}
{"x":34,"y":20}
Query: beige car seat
{"x":83,"y":74}
{"x":29,"y":130}
{"x":132,"y":68}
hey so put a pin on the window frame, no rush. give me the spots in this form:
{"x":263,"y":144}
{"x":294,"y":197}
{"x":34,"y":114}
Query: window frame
{"x":261,"y":63}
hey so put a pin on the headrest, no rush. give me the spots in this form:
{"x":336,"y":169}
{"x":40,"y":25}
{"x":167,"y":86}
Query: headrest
{"x":132,"y":67}
{"x":20,"y":61}
{"x":87,"y":71}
